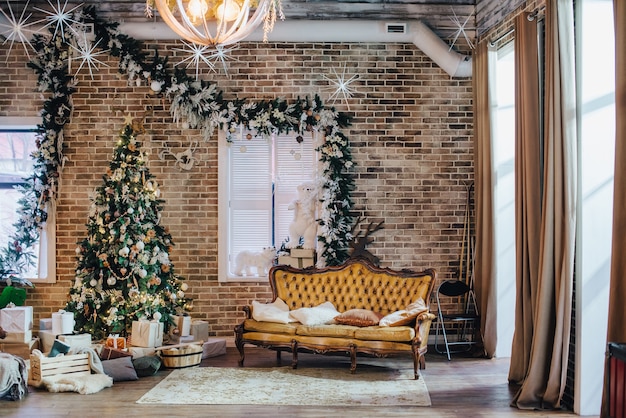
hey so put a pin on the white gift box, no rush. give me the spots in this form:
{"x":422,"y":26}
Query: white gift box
{"x":18,"y":337}
{"x":17,"y":319}
{"x":183,"y":324}
{"x":200,"y":330}
{"x":147,"y":333}
{"x":45,"y":324}
{"x":77,"y":340}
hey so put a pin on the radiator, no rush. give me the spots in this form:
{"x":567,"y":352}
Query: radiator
{"x":617,"y":380}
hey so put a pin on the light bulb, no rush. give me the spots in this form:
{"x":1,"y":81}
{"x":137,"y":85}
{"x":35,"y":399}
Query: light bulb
{"x":196,"y":9}
{"x":228,"y":11}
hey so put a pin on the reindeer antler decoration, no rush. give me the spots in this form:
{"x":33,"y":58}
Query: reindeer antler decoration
{"x":361,"y":239}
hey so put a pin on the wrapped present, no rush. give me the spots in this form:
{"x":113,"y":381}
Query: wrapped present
{"x":199,"y":330}
{"x":63,"y":322}
{"x":17,"y":319}
{"x":115,"y":341}
{"x":214,"y":347}
{"x":45,"y":324}
{"x":147,"y":333}
{"x":109,"y":353}
{"x":76,"y":340}
{"x":46,"y":338}
{"x":182,"y":324}
{"x":177,"y":339}
{"x":138,"y":352}
{"x":22,"y":350}
{"x":18,"y":337}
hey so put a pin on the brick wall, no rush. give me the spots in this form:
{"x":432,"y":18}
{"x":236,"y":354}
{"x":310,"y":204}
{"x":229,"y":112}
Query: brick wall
{"x":411,"y":139}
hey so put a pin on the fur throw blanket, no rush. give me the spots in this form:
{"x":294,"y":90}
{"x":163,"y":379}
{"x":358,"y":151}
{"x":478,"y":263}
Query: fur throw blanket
{"x":85,"y":385}
{"x":13,"y":377}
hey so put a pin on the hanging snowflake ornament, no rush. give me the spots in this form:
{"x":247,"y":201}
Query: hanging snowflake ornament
{"x":342,"y":85}
{"x":87,"y":55}
{"x":222,"y":55}
{"x":197,"y":54}
{"x":61,"y":17}
{"x":17,"y":29}
{"x":460,"y":30}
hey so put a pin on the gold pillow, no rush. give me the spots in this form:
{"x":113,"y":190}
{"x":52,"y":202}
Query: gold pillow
{"x":358,"y":318}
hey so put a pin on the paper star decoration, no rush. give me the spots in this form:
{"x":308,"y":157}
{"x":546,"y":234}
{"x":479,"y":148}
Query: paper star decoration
{"x":128,"y":119}
{"x":342,"y":85}
{"x":196,"y":56}
{"x":87,"y":55}
{"x":17,"y":29}
{"x":460,"y":30}
{"x":222,"y":55}
{"x":60,"y":17}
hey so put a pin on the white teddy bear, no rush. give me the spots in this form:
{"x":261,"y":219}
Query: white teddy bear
{"x":262,"y":261}
{"x":304,"y":224}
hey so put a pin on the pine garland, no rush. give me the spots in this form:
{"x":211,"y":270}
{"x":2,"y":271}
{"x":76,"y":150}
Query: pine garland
{"x":197,"y":104}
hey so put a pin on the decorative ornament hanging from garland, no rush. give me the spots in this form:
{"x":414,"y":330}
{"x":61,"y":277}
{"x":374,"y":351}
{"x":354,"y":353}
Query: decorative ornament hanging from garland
{"x":194,"y":103}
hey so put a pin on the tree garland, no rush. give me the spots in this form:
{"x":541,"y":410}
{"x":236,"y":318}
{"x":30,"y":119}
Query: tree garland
{"x":197,"y":104}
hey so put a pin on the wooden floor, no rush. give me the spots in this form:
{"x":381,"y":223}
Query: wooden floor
{"x":463,"y":387}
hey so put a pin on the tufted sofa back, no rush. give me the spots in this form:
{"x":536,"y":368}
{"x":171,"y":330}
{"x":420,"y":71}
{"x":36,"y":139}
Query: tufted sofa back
{"x":354,"y":284}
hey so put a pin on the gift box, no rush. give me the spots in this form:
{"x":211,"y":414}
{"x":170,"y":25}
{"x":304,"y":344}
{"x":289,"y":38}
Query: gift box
{"x":45,"y":324}
{"x":109,"y":353}
{"x":115,"y":341}
{"x":214,"y":347}
{"x":199,"y":330}
{"x":138,"y":352}
{"x":18,"y":337}
{"x":46,"y":338}
{"x":22,"y":350}
{"x":147,"y":333}
{"x":76,"y":340}
{"x":182,"y":324}
{"x":17,"y":319}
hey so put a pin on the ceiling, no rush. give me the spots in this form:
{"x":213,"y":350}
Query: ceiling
{"x":439,"y":15}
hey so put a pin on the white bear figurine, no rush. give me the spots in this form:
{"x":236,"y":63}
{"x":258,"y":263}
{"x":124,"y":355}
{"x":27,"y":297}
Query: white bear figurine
{"x":303,"y":224}
{"x":262,"y":261}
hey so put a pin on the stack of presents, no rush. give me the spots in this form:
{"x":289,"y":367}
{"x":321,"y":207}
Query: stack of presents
{"x":56,"y":347}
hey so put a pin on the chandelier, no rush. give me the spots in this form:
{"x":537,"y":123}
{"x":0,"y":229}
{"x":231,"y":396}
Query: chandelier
{"x":218,"y":22}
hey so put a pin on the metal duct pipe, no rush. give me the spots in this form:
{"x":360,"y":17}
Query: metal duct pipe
{"x":452,"y":62}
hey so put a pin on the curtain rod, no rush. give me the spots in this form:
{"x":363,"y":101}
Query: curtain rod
{"x":531,"y":16}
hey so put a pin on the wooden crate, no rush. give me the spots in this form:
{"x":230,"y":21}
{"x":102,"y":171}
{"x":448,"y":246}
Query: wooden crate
{"x":42,"y":367}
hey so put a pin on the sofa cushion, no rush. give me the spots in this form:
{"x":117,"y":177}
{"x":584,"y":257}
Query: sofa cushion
{"x":404,"y":316}
{"x":276,"y":311}
{"x":358,"y":318}
{"x":271,"y":327}
{"x":345,"y":331}
{"x":324,"y":313}
{"x":378,"y":333}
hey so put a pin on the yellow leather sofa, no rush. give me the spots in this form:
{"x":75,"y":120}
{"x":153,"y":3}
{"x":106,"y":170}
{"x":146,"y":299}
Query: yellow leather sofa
{"x":359,"y":285}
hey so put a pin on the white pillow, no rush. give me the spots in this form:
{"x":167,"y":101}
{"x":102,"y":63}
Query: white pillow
{"x":277,"y":311}
{"x":318,"y":315}
{"x":404,"y":316}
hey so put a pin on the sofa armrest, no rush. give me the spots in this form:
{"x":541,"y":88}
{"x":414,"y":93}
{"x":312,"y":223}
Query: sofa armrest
{"x":248,"y":310}
{"x":422,"y":327}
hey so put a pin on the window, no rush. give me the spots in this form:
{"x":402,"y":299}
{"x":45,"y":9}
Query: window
{"x":258,"y":179}
{"x":503,"y":121}
{"x":17,"y":142}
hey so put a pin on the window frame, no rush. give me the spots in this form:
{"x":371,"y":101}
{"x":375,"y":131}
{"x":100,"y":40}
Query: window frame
{"x":224,"y":146}
{"x":47,"y":235}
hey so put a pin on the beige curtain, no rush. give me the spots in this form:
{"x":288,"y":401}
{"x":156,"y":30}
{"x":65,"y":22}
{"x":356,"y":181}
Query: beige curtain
{"x":484,"y":269}
{"x":544,"y":383}
{"x":527,"y":191}
{"x":617,"y":308}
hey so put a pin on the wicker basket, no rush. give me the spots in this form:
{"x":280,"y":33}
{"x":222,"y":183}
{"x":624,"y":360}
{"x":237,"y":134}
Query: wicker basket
{"x":181,"y":357}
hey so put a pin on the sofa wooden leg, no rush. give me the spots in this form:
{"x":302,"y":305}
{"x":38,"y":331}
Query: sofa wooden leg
{"x":352,"y":358}
{"x":239,"y":343}
{"x":294,"y":352}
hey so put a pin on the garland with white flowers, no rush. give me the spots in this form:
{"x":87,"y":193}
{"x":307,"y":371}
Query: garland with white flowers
{"x":198,"y":104}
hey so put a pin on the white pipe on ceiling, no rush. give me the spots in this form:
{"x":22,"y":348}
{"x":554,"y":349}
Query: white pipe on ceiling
{"x":452,"y":62}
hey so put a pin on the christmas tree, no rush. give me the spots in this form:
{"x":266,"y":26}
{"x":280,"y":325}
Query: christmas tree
{"x":123,"y":268}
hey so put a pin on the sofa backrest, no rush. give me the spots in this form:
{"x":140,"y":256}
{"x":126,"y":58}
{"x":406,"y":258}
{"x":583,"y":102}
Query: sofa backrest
{"x":356,"y":284}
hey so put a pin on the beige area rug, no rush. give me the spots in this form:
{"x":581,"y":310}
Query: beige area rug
{"x":370,"y":386}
